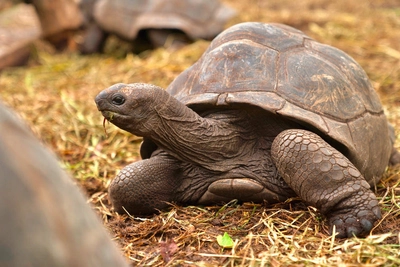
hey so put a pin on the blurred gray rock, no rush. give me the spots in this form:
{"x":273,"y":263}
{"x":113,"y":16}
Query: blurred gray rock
{"x":19,"y":27}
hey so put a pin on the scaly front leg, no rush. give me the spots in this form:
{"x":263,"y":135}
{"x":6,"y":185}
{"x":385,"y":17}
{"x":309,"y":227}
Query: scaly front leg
{"x":327,"y":180}
{"x":146,"y":186}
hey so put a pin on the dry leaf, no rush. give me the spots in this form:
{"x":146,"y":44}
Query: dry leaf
{"x":168,"y":249}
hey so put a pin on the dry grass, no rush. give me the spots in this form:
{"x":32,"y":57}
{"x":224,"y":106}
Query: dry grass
{"x":56,"y":98}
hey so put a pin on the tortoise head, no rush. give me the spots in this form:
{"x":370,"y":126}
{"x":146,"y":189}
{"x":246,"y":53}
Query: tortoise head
{"x":129,"y":106}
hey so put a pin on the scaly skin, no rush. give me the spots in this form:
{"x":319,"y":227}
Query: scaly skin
{"x":149,"y":185}
{"x":327,"y":180}
{"x":145,"y":186}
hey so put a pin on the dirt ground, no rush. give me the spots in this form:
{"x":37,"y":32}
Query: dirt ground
{"x":55,"y":93}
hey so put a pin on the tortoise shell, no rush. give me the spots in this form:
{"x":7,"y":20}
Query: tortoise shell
{"x":285,"y":72}
{"x":197,"y":19}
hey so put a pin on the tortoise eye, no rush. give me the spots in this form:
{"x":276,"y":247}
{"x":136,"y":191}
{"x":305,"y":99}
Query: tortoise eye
{"x":118,"y":100}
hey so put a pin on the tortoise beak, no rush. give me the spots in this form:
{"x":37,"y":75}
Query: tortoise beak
{"x":101,"y":100}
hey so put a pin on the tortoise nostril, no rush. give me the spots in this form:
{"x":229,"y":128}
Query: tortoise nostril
{"x":99,"y":103}
{"x":100,"y":97}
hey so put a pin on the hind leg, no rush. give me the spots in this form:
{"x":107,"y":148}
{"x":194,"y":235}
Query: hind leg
{"x":146,"y":186}
{"x":326,"y":179}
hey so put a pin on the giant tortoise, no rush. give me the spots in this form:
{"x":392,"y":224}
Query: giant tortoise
{"x":150,"y":24}
{"x":266,"y":114}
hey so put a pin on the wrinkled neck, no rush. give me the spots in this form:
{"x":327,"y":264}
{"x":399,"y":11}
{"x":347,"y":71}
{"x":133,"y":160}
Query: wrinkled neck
{"x":188,"y":136}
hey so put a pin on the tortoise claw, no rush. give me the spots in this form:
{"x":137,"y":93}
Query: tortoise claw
{"x":354,"y":224}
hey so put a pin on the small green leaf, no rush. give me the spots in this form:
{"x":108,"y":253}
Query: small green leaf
{"x":111,"y":115}
{"x":225,"y":240}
